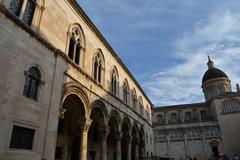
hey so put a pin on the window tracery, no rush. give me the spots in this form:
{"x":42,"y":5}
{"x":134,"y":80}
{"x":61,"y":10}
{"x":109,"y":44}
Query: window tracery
{"x":114,"y":82}
{"x":126,"y":92}
{"x":74,"y":49}
{"x":98,"y":67}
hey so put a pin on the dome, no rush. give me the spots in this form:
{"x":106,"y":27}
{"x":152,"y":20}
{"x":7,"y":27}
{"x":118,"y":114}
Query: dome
{"x":212,"y":73}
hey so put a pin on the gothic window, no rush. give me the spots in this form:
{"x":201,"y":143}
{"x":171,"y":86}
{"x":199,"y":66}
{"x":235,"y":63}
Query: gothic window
{"x":134,"y":99}
{"x":74,"y":48}
{"x":29,"y":8}
{"x":15,"y":6}
{"x":203,"y":115}
{"x":29,"y":11}
{"x":126,"y":92}
{"x":114,"y":81}
{"x":188,"y":116}
{"x":32,"y":83}
{"x":173,"y":117}
{"x":159,"y":118}
{"x":22,"y":138}
{"x":98,"y":67}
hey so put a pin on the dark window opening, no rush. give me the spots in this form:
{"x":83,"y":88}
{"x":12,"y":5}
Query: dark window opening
{"x":77,"y":54}
{"x":71,"y":48}
{"x":22,"y":138}
{"x":15,"y":6}
{"x":32,"y":83}
{"x":58,"y":153}
{"x":29,"y":11}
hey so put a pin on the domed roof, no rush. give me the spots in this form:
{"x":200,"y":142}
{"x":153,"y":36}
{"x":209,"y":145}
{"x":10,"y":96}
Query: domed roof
{"x":212,"y":72}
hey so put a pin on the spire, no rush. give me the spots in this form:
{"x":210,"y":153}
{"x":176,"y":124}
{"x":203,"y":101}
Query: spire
{"x":210,"y":62}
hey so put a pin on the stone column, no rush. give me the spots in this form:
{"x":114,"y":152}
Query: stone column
{"x":84,"y":140}
{"x":129,"y":140}
{"x":118,"y":145}
{"x":104,"y":134}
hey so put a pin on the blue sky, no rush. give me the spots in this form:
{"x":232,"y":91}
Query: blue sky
{"x":165,"y":43}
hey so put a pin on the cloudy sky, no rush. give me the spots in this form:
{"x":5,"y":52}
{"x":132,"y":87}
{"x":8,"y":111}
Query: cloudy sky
{"x":165,"y":43}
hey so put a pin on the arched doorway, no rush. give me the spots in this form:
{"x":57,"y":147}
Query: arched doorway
{"x":97,"y":134}
{"x":69,"y":128}
{"x":141,"y":144}
{"x":214,"y":146}
{"x":126,"y":140}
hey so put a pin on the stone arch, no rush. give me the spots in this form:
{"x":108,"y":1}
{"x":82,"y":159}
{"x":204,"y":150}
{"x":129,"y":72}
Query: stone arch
{"x":72,"y":88}
{"x":98,"y":131}
{"x":114,"y":136}
{"x":117,"y":116}
{"x":72,"y":121}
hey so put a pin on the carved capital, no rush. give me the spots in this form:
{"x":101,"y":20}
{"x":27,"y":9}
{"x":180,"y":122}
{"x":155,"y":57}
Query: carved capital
{"x":85,"y":125}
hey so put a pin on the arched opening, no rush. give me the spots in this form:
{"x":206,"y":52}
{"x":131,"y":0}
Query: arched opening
{"x":97,"y":134}
{"x":135,"y":143}
{"x":141,"y":144}
{"x":214,"y":146}
{"x":69,"y":128}
{"x":113,"y":136}
{"x":126,"y":140}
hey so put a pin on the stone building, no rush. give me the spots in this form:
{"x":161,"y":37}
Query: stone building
{"x":201,"y":130}
{"x":64,"y":92}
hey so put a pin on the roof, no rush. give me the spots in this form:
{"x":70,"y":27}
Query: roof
{"x":212,"y":73}
{"x":181,"y":106}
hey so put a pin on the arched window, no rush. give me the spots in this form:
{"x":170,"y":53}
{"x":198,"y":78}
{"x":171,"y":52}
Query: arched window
{"x":28,"y":7}
{"x":15,"y":6}
{"x":188,"y":116}
{"x":126,"y":92}
{"x":203,"y":115}
{"x":29,"y":11}
{"x":134,"y":99}
{"x":98,"y":66}
{"x":74,"y":48}
{"x":32,"y":82}
{"x":114,"y":81}
{"x":173,"y":117}
{"x":159,"y":118}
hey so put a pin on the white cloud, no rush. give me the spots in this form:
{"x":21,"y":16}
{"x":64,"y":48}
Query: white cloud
{"x":219,"y":35}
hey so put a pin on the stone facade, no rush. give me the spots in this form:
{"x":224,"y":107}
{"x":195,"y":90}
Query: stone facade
{"x":202,"y":130}
{"x":65,"y":94}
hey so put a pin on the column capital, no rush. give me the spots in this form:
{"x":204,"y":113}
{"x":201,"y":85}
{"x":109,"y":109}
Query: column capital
{"x":85,"y":124}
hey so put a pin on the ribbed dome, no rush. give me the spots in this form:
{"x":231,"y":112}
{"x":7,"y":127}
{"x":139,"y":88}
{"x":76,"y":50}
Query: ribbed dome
{"x":213,"y":73}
